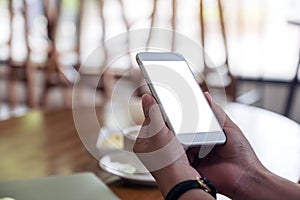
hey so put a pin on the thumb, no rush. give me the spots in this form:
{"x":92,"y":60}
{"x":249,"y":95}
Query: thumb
{"x":147,"y":102}
{"x":154,"y":122}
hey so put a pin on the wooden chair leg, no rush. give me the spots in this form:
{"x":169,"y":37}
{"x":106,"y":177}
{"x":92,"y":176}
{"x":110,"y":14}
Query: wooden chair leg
{"x":12,"y":87}
{"x":12,"y":97}
{"x":44,"y":96}
{"x":30,"y":76}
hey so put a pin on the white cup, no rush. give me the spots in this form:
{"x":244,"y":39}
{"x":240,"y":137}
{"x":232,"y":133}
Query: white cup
{"x":130,"y":134}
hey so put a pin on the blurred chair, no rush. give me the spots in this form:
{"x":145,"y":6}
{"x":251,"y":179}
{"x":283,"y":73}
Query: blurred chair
{"x":294,"y":82}
{"x":19,"y":53}
{"x":33,"y":48}
{"x":28,"y":48}
{"x":217,"y":77}
{"x":71,"y":42}
{"x":64,"y":59}
{"x":60,"y":66}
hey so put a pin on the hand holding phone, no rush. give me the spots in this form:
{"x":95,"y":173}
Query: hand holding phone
{"x":181,"y":100}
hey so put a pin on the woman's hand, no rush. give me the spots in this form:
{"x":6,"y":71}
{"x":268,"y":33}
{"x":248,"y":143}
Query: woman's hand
{"x":162,"y":154}
{"x":227,"y":164}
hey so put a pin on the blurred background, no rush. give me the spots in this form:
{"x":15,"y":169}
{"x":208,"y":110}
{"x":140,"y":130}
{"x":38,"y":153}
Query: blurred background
{"x":43,"y":43}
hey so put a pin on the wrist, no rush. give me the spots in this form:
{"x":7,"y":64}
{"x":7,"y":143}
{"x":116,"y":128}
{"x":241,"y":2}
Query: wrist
{"x":249,"y":183}
{"x":261,"y":184}
{"x":173,"y":174}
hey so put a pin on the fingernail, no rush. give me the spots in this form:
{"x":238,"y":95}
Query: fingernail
{"x":208,"y":96}
{"x":146,"y":99}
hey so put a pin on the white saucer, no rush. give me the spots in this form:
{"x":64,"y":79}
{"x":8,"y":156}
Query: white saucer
{"x":126,"y":165}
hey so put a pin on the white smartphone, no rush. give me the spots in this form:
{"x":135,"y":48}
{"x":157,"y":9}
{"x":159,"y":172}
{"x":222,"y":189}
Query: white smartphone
{"x":181,"y":100}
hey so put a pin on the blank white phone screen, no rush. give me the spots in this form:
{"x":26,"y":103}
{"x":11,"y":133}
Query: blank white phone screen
{"x":181,"y":97}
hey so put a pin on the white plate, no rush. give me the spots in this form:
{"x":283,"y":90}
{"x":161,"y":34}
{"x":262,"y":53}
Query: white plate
{"x":126,"y":165}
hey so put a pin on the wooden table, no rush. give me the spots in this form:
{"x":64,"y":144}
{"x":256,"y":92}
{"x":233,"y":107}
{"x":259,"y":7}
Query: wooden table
{"x":46,"y":143}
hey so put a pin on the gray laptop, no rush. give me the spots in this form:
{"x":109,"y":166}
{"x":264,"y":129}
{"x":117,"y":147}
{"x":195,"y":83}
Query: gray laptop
{"x":83,"y":186}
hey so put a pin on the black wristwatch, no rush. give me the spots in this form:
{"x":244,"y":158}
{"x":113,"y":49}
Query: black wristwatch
{"x":200,"y":183}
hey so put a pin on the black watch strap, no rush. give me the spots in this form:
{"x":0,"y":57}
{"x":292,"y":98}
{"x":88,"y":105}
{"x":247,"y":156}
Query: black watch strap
{"x":200,"y":183}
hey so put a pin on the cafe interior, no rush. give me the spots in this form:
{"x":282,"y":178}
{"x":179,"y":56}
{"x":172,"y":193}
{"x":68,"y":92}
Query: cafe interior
{"x":71,"y":88}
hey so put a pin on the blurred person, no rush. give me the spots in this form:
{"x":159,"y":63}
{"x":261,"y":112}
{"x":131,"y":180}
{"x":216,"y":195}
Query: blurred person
{"x":233,"y":168}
